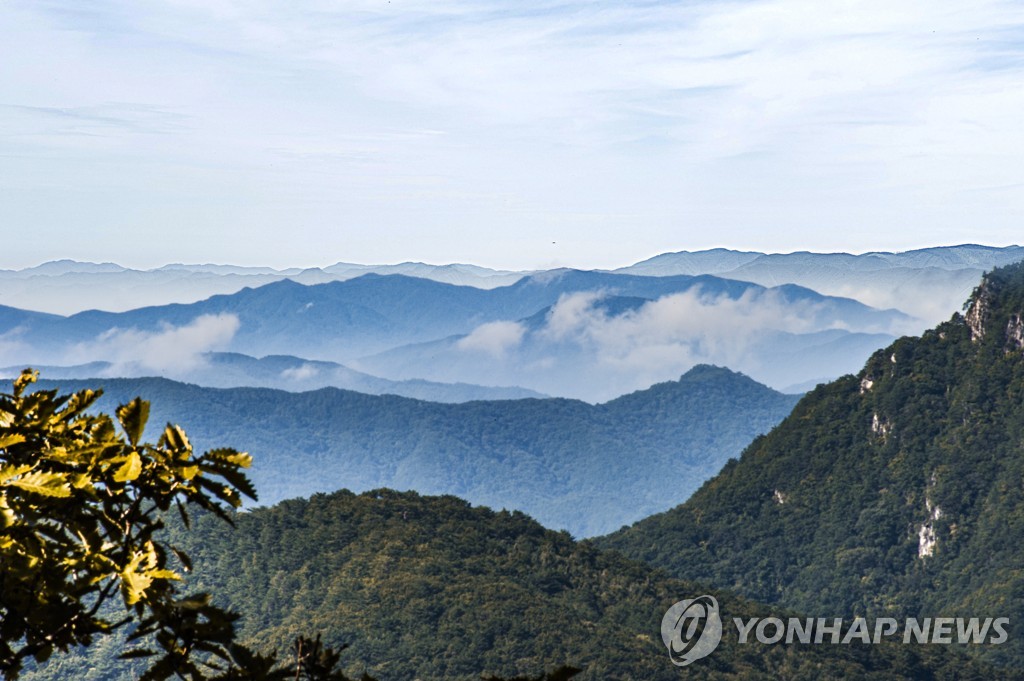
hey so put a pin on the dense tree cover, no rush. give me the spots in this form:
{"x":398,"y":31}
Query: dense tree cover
{"x":85,"y":558}
{"x":896,"y":492}
{"x":431,"y":588}
{"x":585,"y":468}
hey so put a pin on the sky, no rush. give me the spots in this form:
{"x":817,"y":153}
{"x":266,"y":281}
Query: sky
{"x":515,"y":135}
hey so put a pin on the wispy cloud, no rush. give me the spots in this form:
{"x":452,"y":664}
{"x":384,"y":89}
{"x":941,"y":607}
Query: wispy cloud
{"x":300,"y":373}
{"x":849,"y":124}
{"x":666,"y":336}
{"x":584,"y":349}
{"x":166,"y":351}
{"x":494,"y":338}
{"x":109,"y":118}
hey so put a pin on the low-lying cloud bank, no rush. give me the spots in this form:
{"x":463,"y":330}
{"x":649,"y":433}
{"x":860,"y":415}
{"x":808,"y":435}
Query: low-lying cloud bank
{"x":166,"y":351}
{"x":595,"y":347}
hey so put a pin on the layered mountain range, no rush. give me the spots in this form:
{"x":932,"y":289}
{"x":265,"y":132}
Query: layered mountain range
{"x":894,"y":492}
{"x":585,"y":468}
{"x":283,"y":372}
{"x":588,"y":335}
{"x":927,"y":283}
{"x":881,"y":279}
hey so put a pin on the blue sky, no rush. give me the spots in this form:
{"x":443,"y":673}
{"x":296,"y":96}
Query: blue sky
{"x":512,"y":135}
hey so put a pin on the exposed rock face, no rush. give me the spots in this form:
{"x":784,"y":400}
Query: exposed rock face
{"x":979,"y":317}
{"x":977,"y":312}
{"x":1015,"y":333}
{"x":880,"y":426}
{"x":926,"y":536}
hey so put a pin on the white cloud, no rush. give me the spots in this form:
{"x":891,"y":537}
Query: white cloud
{"x":494,"y":338}
{"x":573,"y":313}
{"x":773,"y":124}
{"x":300,"y":373}
{"x":663,"y":338}
{"x":169,"y":350}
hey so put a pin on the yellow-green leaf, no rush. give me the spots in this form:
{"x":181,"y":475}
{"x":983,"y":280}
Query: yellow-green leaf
{"x":21,"y":382}
{"x":133,"y":417}
{"x":11,"y":471}
{"x":134,"y":585}
{"x":11,"y":439}
{"x":130,"y":469}
{"x":240,"y":459}
{"x":165,"y":574}
{"x":7,"y":516}
{"x":46,"y":484}
{"x":176,"y":438}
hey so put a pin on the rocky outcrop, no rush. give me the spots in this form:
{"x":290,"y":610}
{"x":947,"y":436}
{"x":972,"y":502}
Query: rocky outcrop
{"x":978,"y":312}
{"x":1015,"y":333}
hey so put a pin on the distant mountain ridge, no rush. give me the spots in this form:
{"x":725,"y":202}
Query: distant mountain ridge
{"x":722,"y":260}
{"x":358,"y":318}
{"x":68,"y":286}
{"x":284,"y":372}
{"x":929,"y":283}
{"x":586,"y":468}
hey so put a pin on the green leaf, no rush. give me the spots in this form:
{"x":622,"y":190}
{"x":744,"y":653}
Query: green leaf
{"x":46,"y":484}
{"x":133,"y":583}
{"x":175,"y":438}
{"x":130,"y":469}
{"x":11,"y":471}
{"x":11,"y":439}
{"x":133,"y":417}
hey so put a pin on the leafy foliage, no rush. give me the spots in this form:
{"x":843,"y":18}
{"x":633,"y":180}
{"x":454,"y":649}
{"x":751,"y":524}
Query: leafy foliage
{"x":897,"y":492}
{"x":82,"y":502}
{"x":431,"y":588}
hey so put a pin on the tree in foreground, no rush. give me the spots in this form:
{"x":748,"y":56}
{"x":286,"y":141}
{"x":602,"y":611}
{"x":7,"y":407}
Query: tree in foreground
{"x":82,"y":499}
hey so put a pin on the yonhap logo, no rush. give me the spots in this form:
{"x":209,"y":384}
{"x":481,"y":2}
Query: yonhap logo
{"x":691,"y":629}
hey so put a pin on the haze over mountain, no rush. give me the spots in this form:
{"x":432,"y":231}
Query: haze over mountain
{"x":595,"y":348}
{"x":585,"y":468}
{"x":894,"y":492}
{"x":283,"y":372}
{"x":67,"y":286}
{"x":928,"y":283}
{"x":660,"y":327}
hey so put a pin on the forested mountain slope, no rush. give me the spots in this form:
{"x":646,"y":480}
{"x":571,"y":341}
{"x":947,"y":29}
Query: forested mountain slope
{"x":896,"y":491}
{"x":433,"y":589}
{"x":576,"y":466}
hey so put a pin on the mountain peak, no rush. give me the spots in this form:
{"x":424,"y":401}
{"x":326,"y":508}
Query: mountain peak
{"x":706,"y":372}
{"x":996,"y":308}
